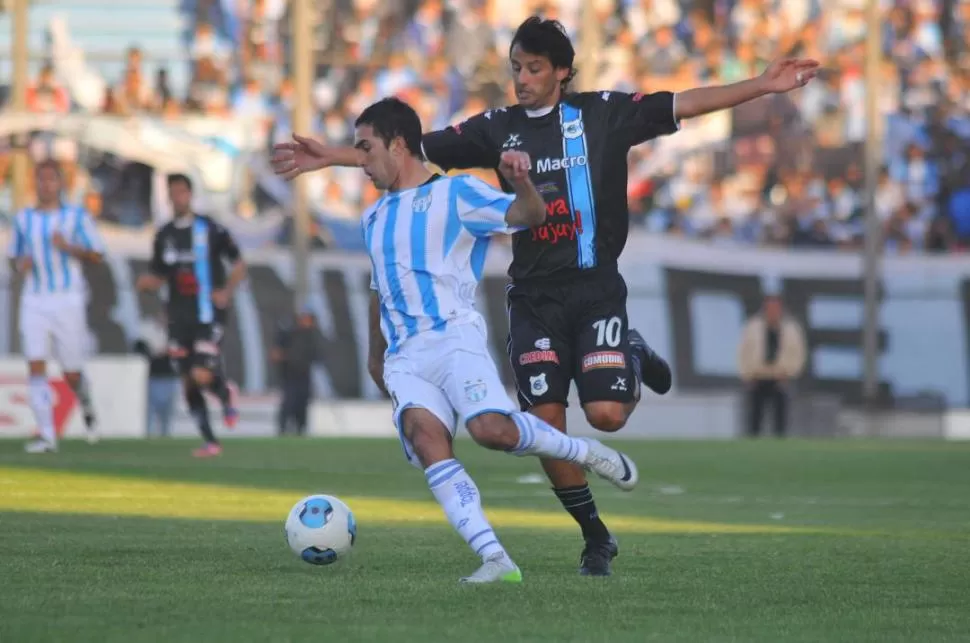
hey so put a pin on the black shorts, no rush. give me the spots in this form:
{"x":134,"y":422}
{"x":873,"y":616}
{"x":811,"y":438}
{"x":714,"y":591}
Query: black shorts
{"x":559,"y":333}
{"x":195,"y":344}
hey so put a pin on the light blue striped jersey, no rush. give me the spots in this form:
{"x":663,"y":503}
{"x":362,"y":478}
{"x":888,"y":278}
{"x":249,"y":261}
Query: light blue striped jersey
{"x":427,"y":247}
{"x":53,"y":270}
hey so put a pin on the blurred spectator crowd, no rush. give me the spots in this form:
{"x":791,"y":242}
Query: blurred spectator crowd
{"x":783,"y":170}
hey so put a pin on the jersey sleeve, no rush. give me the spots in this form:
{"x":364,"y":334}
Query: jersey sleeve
{"x":481,"y":208}
{"x":18,"y":239}
{"x":157,"y":266}
{"x":640,"y":117}
{"x":225,"y":244}
{"x":86,"y":233}
{"x":464,"y":146}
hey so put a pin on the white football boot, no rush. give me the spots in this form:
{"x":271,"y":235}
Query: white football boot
{"x":610,"y":465}
{"x":40,"y":445}
{"x":497,"y":569}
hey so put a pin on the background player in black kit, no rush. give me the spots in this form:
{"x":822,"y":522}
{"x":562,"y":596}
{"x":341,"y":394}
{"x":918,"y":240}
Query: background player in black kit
{"x":567,"y":300}
{"x":189,"y":255}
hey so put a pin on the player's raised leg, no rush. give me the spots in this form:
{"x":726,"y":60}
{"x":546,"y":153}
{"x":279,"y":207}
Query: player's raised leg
{"x":427,"y":443}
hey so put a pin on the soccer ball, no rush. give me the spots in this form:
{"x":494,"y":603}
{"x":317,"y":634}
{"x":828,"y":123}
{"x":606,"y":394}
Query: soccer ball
{"x":320,"y":529}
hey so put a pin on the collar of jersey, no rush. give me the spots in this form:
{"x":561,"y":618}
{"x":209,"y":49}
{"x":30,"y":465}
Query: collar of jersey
{"x":539,"y":113}
{"x":177,"y":222}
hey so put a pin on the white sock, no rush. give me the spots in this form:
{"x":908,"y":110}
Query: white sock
{"x":457,"y":494}
{"x":42,"y":404}
{"x":541,"y":439}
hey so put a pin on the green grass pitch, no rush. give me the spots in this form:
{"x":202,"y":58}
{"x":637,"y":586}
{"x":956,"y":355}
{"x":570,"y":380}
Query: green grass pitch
{"x":734,"y":541}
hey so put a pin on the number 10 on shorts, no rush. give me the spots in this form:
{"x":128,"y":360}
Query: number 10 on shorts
{"x":608,"y":331}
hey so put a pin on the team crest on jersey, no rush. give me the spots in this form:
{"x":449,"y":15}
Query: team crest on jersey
{"x":573,"y":129}
{"x":475,"y":390}
{"x":538,"y":384}
{"x":170,"y":255}
{"x":421,"y":204}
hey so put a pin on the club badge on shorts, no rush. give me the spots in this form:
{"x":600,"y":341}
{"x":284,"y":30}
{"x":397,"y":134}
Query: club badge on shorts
{"x":538,"y":384}
{"x":475,"y":390}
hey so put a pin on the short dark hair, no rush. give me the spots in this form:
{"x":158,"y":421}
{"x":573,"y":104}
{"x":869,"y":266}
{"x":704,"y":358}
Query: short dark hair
{"x":546,"y":38}
{"x":179,"y":178}
{"x":49,"y":164}
{"x":391,"y":118}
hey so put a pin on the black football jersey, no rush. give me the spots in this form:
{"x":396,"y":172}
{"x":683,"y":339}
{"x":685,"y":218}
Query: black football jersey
{"x":579,"y":153}
{"x":192,"y":257}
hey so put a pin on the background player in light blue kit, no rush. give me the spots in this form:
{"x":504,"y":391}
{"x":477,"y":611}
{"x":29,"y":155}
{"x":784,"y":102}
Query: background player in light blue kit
{"x":427,"y":238}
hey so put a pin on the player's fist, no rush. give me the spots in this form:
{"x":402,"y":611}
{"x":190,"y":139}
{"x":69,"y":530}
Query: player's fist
{"x":221,"y":298}
{"x":59,"y":242}
{"x":788,"y":73}
{"x":302,"y":154}
{"x":23,"y":264}
{"x":514,"y":166}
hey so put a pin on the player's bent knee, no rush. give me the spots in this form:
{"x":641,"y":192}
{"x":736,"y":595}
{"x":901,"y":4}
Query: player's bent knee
{"x":37,"y":368}
{"x":428,"y":437}
{"x":606,"y":416}
{"x":493,"y":431}
{"x":201,"y":376}
{"x":73,"y":379}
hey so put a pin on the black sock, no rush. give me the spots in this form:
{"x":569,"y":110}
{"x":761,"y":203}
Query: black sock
{"x":199,"y":410}
{"x":219,"y":389}
{"x":578,"y":501}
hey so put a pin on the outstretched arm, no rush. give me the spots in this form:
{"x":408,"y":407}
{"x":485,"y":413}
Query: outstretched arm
{"x":464,"y":146}
{"x":780,"y":76}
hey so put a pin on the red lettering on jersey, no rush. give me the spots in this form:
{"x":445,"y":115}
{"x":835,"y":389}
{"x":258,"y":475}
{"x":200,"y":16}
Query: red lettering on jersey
{"x":557,"y":208}
{"x":186,"y":283}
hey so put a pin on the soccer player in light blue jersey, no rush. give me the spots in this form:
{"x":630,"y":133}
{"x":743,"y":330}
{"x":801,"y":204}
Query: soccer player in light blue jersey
{"x":427,"y":238}
{"x":49,"y":243}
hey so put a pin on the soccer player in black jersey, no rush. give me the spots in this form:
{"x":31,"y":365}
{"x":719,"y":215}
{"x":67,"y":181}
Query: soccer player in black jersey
{"x":189,"y":256}
{"x":567,"y":300}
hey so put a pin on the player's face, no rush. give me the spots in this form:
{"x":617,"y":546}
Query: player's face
{"x":537,"y":82}
{"x":48,"y":186}
{"x":181,"y":197}
{"x":379,"y":165}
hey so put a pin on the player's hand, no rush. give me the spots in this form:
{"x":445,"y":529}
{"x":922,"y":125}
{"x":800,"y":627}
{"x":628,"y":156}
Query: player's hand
{"x":302,"y":154}
{"x":146,"y":283}
{"x":221,"y":298}
{"x":788,"y":73}
{"x":514,"y":166}
{"x":23,"y":264}
{"x":59,"y":242}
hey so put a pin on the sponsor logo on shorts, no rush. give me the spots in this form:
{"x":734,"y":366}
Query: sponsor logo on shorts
{"x":538,"y":384}
{"x":538,"y":357}
{"x":619,"y":385}
{"x":475,"y":390}
{"x":603,"y":359}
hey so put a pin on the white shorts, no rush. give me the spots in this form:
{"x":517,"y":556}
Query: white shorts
{"x":450,"y":374}
{"x":57,"y":319}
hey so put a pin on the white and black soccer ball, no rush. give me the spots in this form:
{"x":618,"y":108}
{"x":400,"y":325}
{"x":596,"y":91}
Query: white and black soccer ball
{"x":321,"y":529}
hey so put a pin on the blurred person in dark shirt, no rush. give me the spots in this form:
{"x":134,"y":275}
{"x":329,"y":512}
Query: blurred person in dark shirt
{"x":297,"y":349}
{"x":163,"y":381}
